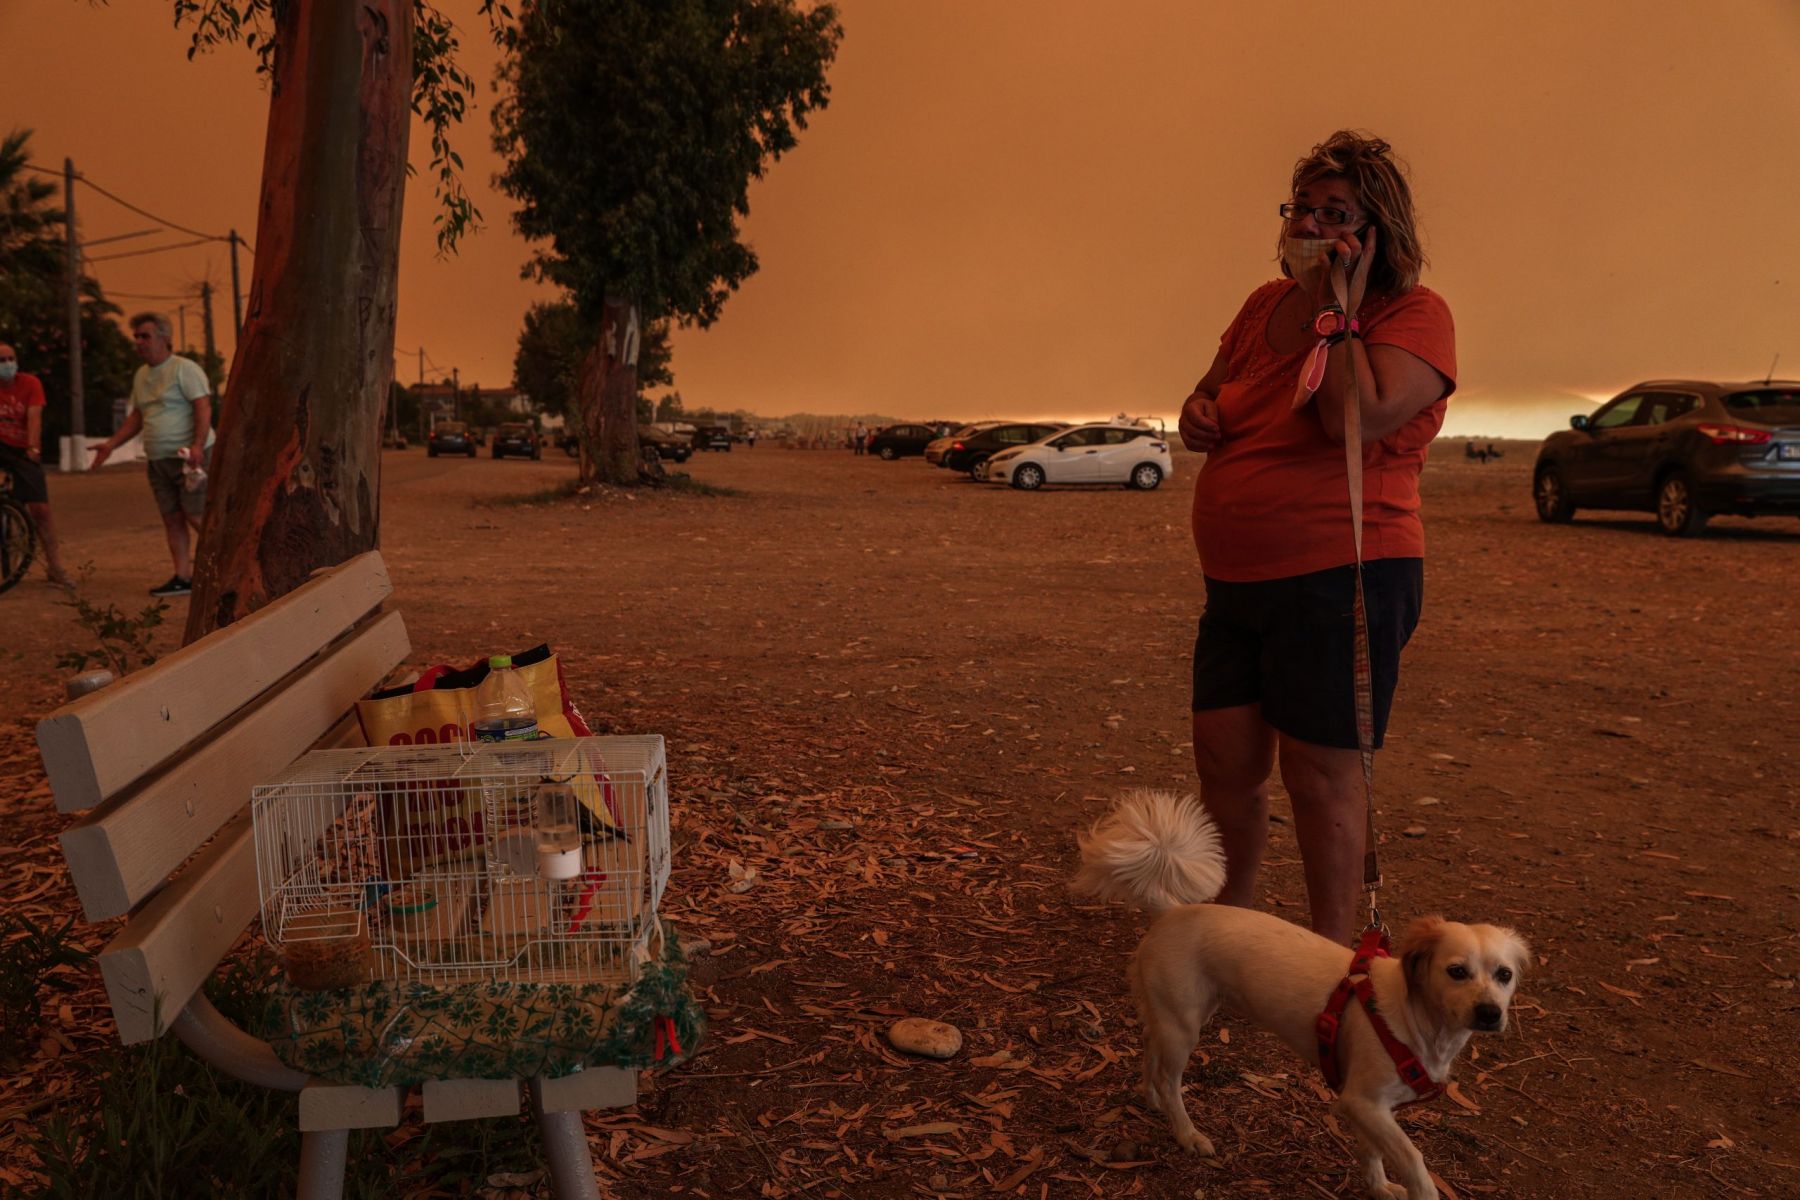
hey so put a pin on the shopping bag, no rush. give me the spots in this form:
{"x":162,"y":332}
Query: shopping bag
{"x":438,"y":822}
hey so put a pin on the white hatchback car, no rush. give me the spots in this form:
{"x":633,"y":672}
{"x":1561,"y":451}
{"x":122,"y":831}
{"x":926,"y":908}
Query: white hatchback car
{"x":1110,"y":452}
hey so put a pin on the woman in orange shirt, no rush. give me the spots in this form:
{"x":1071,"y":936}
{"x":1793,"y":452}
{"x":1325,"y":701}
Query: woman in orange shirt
{"x":1273,"y":659}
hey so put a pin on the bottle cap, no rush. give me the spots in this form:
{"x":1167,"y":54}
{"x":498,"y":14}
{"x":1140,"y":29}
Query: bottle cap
{"x":499,"y":660}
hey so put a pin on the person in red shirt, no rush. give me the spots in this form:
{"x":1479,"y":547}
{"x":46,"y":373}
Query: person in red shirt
{"x":21,"y":443}
{"x":1274,"y":656}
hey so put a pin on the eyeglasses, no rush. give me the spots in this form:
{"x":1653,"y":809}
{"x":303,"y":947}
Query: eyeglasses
{"x":1325,"y":216}
{"x":8,"y":358}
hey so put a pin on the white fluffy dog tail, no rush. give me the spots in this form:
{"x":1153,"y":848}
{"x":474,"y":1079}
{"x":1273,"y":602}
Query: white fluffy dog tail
{"x":1155,"y":849}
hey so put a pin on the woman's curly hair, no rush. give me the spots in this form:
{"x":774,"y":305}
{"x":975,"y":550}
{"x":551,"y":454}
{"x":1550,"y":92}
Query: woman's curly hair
{"x":1369,"y":166}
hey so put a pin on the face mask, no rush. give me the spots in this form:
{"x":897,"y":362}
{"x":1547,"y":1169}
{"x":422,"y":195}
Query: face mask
{"x":7,"y":371}
{"x":1301,"y":257}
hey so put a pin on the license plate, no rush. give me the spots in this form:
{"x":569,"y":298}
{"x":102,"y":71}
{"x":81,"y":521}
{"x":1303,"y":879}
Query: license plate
{"x":1789,"y":452}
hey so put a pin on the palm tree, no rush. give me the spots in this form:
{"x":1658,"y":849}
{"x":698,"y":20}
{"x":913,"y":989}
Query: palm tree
{"x":34,"y":315}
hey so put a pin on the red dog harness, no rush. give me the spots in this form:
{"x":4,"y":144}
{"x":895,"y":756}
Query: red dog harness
{"x":1372,"y":945}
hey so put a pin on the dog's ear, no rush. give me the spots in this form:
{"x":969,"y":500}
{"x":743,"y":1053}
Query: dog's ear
{"x":1515,"y":950}
{"x":1417,"y":945}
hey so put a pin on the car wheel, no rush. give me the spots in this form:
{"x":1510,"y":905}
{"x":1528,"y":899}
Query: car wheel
{"x":1552,"y":497}
{"x":1028,"y":477}
{"x":471,"y":452}
{"x":431,"y":452}
{"x":1677,"y":512}
{"x":497,"y":453}
{"x":536,"y":454}
{"x":889,"y":454}
{"x":1145,"y":477}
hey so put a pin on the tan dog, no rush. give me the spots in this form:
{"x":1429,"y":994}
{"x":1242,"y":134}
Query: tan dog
{"x":1160,"y":851}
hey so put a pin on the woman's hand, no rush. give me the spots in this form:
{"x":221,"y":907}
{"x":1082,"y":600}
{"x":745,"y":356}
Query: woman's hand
{"x":1356,"y":253}
{"x":1199,"y":426}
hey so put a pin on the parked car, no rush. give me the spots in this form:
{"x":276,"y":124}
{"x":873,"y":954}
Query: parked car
{"x":1135,"y":455}
{"x":901,"y":441}
{"x":935,"y":450}
{"x":449,"y":437}
{"x":667,"y":445}
{"x":712,"y":437}
{"x":967,"y":453}
{"x":1680,"y":448}
{"x":515,"y":439}
{"x":393,"y":440}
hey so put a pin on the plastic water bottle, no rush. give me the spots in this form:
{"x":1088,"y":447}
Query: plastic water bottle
{"x":193,"y":475}
{"x":503,"y":708}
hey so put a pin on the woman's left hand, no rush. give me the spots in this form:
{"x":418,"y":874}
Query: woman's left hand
{"x":1350,"y":249}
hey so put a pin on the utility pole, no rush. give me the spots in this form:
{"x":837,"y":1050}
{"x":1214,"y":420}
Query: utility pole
{"x":77,"y":417}
{"x":206,"y":318}
{"x":237,"y":292}
{"x":421,"y":394}
{"x":455,"y":392}
{"x":181,"y":315}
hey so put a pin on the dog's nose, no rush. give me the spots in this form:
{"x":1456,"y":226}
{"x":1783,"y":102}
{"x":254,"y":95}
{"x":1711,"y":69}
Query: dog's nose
{"x":1487,"y":1016}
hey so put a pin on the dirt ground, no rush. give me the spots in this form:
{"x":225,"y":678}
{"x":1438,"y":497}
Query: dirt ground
{"x":894,"y":695}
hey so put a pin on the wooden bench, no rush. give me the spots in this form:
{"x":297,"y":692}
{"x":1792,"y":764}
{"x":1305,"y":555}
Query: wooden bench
{"x":160,"y":767}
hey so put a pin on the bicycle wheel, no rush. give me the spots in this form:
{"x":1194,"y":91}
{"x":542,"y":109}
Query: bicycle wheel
{"x":18,"y":542}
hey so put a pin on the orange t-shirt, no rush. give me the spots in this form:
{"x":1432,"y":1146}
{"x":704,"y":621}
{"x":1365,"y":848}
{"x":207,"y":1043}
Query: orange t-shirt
{"x":1272,"y":501}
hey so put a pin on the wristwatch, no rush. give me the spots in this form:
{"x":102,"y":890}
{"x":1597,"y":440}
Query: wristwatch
{"x":1330,"y":320}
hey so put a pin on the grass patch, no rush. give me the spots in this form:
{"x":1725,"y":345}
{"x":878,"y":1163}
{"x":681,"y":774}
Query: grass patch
{"x":122,"y":643}
{"x":165,"y":1124}
{"x":550,"y":495}
{"x":678,"y":484}
{"x":686,"y":485}
{"x":29,"y":953}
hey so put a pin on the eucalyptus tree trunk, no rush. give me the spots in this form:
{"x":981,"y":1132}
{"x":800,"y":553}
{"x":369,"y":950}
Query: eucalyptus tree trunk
{"x":609,"y":441}
{"x":296,"y":474}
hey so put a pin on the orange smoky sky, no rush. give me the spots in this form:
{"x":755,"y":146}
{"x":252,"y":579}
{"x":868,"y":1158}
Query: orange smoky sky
{"x":1054,"y":207}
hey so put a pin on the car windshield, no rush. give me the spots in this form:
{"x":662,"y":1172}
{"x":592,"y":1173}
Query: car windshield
{"x":1766,"y":406}
{"x":972,"y":430}
{"x":452,"y":427}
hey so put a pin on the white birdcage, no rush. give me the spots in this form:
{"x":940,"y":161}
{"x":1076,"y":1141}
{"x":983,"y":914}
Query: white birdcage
{"x":540,"y":861}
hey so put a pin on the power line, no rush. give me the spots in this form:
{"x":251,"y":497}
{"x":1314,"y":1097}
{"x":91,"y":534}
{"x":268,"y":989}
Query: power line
{"x":211,"y":237}
{"x":153,"y":250}
{"x":150,"y":296}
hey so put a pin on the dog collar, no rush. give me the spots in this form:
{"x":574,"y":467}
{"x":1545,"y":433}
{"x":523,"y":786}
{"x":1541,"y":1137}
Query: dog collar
{"x":1372,"y":945}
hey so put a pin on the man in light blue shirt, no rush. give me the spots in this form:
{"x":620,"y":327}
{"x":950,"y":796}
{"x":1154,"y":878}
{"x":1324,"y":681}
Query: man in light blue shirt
{"x":171,"y":405}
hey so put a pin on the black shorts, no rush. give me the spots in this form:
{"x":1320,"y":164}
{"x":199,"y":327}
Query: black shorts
{"x":27,"y":477}
{"x":1290,"y":646}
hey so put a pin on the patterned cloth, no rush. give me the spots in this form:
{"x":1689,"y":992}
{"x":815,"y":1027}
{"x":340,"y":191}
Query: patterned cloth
{"x":387,"y":1034}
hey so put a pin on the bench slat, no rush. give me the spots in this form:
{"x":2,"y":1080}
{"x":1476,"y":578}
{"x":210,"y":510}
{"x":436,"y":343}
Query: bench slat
{"x":122,"y":852}
{"x":172,"y":945}
{"x":95,"y":747}
{"x":343,"y":1106}
{"x":594,"y":1087}
{"x":469,"y":1099}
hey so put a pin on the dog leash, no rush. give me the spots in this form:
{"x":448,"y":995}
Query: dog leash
{"x":1349,"y":293}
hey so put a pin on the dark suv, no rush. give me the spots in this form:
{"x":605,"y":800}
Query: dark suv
{"x":966,"y":453}
{"x":712,"y":437}
{"x":1681,"y":449}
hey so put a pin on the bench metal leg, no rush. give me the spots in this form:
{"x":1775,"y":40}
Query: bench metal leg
{"x":572,"y":1174}
{"x":322,"y":1156}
